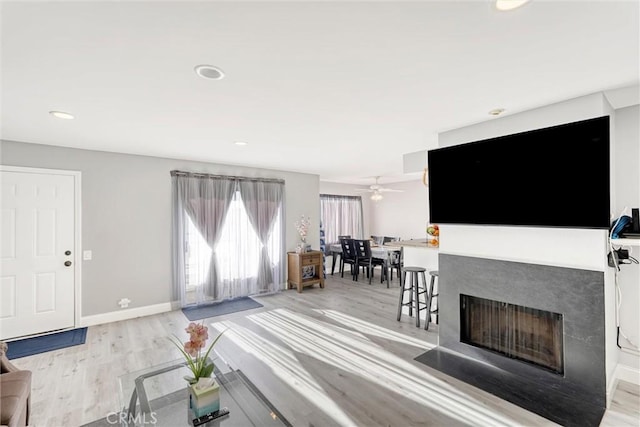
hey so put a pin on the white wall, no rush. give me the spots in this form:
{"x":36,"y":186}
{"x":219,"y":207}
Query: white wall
{"x":627,"y":177}
{"x":403,"y":215}
{"x":126,"y":217}
{"x":562,"y":247}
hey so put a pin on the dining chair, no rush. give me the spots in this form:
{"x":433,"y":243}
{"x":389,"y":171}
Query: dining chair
{"x":396,"y":262}
{"x":365,"y":259}
{"x":338,"y":255}
{"x":377,"y":240}
{"x":348,"y":257}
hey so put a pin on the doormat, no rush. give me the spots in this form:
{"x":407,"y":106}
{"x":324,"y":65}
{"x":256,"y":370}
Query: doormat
{"x":220,"y":308}
{"x":36,"y":345}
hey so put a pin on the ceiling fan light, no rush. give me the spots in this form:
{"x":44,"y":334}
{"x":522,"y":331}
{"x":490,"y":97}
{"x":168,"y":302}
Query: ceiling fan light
{"x":504,"y":5}
{"x":376,"y":196}
{"x":62,"y":115}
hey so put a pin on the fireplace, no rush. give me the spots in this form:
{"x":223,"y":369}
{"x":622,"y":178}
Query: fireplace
{"x":531,"y":334}
{"x":516,"y":331}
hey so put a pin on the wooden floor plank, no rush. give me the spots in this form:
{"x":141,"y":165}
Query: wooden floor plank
{"x":323,"y":357}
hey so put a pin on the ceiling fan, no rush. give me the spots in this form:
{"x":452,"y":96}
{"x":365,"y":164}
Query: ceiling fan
{"x":377,"y":190}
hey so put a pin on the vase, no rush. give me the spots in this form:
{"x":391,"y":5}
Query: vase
{"x":302,"y":246}
{"x":204,"y":397}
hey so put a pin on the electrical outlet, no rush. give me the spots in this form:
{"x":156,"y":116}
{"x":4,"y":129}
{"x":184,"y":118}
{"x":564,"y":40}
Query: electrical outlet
{"x":124,"y":302}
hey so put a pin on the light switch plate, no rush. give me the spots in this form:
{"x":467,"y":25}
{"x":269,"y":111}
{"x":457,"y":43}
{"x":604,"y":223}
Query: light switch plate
{"x":87,"y":255}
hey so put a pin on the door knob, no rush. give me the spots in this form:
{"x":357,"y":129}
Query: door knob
{"x":67,"y":253}
{"x":67,"y":263}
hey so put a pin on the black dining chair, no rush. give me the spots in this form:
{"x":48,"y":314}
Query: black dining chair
{"x":337,"y":256}
{"x":396,"y":263}
{"x":348,"y":257}
{"x":363,"y":254}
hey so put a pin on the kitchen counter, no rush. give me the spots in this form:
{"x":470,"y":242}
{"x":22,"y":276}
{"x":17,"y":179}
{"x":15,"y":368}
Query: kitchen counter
{"x":415,"y":243}
{"x":418,"y":253}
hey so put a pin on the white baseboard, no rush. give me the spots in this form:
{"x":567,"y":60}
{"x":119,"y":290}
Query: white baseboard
{"x":132,"y":313}
{"x":627,"y":373}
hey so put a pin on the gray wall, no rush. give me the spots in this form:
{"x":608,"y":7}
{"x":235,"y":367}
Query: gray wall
{"x":126,"y":217}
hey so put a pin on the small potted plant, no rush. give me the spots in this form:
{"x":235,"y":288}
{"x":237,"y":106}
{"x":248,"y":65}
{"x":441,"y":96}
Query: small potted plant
{"x":204,"y":391}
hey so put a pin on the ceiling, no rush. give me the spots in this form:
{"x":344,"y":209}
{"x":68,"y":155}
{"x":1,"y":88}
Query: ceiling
{"x":340,"y":89}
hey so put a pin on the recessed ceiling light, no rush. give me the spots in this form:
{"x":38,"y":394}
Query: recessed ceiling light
{"x":242,"y":143}
{"x":209,"y":72}
{"x":496,"y":111}
{"x":509,"y":4}
{"x":62,"y":115}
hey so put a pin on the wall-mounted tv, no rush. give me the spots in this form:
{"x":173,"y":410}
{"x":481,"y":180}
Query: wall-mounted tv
{"x":552,"y":177}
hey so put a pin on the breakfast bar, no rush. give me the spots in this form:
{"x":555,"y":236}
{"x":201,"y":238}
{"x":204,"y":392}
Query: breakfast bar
{"x":418,"y":253}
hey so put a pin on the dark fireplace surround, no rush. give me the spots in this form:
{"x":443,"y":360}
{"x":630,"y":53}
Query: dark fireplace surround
{"x":577,"y":395}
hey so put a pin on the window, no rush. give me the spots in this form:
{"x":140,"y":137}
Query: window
{"x":227,"y":236}
{"x":341,"y":215}
{"x":237,"y":253}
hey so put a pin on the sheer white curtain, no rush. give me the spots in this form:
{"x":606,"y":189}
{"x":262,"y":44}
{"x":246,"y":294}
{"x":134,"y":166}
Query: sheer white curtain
{"x":239,"y":253}
{"x":262,"y":203}
{"x":341,"y":215}
{"x":221,"y":248}
{"x":200,"y":202}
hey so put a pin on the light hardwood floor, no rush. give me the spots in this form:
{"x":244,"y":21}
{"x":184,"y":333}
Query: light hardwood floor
{"x":325,"y":357}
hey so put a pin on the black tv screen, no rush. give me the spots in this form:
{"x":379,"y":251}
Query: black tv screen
{"x":552,"y":177}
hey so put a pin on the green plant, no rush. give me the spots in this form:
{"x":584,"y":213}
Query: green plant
{"x":199,"y":364}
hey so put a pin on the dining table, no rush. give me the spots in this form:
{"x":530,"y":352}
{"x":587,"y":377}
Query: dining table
{"x":385,"y":252}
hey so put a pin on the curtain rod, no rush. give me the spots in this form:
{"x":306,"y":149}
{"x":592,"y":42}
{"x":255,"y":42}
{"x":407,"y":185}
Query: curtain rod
{"x":212,"y":176}
{"x":340,"y":196}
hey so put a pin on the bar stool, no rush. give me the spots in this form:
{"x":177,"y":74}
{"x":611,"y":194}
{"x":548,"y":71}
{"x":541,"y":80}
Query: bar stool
{"x":432,"y":295}
{"x":415,"y":290}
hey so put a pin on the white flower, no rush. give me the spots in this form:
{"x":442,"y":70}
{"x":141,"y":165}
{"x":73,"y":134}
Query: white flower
{"x":302,"y":226}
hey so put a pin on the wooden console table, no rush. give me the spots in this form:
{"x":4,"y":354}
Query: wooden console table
{"x":304,"y":269}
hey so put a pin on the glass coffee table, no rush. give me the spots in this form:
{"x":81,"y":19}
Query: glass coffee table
{"x":159,"y":396}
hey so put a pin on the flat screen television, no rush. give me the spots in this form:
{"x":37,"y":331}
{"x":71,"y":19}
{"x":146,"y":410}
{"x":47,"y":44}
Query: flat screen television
{"x":551,"y":177}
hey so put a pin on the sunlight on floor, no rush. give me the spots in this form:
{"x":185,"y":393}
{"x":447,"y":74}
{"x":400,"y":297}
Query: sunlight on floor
{"x":354,"y":352}
{"x":375,"y":330}
{"x":285,"y":365}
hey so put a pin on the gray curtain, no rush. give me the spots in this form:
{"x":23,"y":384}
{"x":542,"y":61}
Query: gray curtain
{"x":341,"y":215}
{"x":206,"y":200}
{"x":262,"y":201}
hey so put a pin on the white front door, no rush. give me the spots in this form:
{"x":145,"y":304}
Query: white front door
{"x":37,"y":253}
